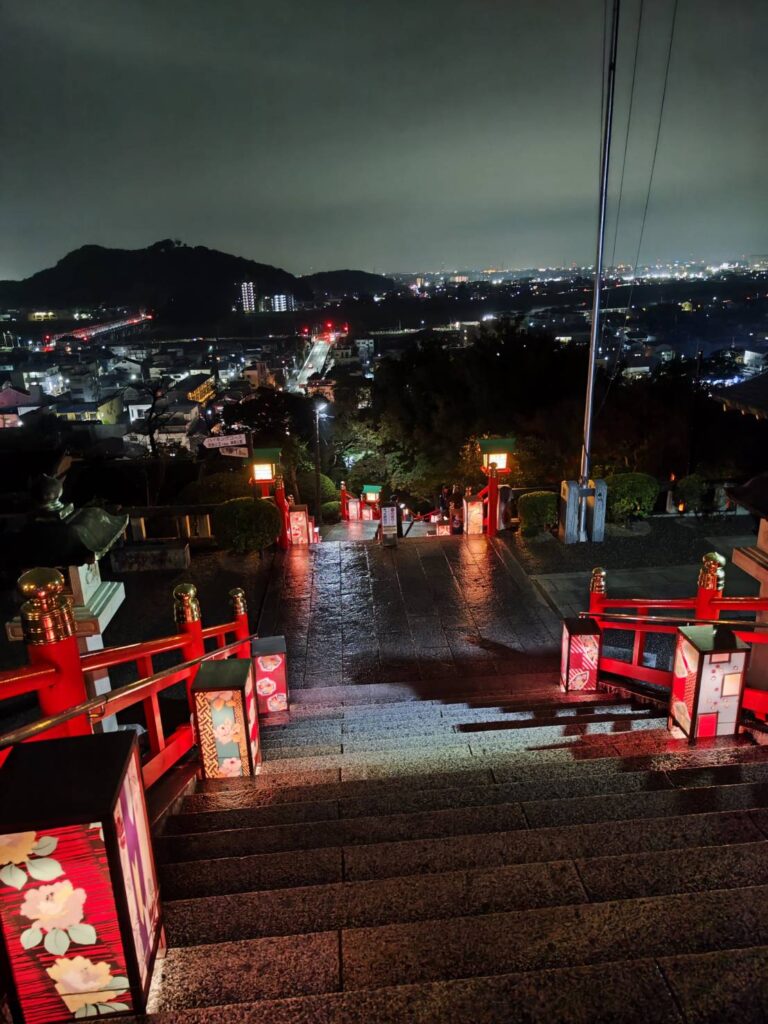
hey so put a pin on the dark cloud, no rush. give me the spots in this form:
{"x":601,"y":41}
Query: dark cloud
{"x":385,"y":135}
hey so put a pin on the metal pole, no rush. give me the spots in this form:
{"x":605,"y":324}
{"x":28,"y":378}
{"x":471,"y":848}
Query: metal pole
{"x":586,"y":450}
{"x":318,"y":511}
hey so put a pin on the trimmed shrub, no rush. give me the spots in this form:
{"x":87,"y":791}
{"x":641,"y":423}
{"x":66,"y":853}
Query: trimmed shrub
{"x":214,"y":488}
{"x":537,"y":511}
{"x":690,"y":490}
{"x":244,"y":525}
{"x":331,"y":511}
{"x":306,"y":482}
{"x":631,"y":495}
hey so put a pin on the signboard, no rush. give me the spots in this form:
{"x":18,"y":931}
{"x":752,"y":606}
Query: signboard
{"x":226,"y":441}
{"x":389,"y":520}
{"x":238,"y":453}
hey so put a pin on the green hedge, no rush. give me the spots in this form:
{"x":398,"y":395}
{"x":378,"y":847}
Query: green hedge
{"x":244,"y":525}
{"x":691,"y":490}
{"x":537,"y":511}
{"x":331,"y":511}
{"x":631,"y":495}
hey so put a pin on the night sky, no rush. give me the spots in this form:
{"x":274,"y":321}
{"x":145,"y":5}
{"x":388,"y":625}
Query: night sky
{"x":316,"y":134}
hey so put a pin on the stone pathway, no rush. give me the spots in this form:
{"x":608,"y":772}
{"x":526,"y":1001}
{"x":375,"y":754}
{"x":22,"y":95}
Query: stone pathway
{"x":431,"y":608}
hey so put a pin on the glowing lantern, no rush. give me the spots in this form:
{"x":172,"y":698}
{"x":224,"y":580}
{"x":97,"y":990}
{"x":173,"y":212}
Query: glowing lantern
{"x":298,"y":520}
{"x":443,"y":528}
{"x":497,"y":450}
{"x":226,"y":719}
{"x":79,"y":910}
{"x":579,"y":655}
{"x":269,"y":659}
{"x":353,"y":509}
{"x":474,"y":510}
{"x":371,"y":493}
{"x":265,"y":463}
{"x":707,"y":682}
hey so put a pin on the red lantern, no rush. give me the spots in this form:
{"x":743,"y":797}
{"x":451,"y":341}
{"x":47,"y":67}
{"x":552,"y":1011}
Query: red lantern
{"x":226,"y":719}
{"x":580,"y":655}
{"x":79,"y":906}
{"x":269,"y":659}
{"x":707,"y":682}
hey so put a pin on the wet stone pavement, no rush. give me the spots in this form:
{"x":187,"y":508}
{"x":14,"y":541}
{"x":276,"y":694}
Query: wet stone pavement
{"x":429,"y":609}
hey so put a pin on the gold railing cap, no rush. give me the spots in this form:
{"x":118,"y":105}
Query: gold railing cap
{"x":40,"y":583}
{"x":185,"y":591}
{"x":713,"y":558}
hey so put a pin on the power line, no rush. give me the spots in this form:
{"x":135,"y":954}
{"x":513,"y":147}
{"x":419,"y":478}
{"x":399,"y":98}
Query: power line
{"x":650,"y":185}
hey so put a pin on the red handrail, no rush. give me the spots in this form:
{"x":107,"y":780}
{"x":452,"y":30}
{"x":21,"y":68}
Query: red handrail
{"x":29,"y":679}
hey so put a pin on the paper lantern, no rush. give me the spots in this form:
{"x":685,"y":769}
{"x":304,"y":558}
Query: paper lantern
{"x":79,"y":906}
{"x":474,"y":511}
{"x":497,"y":450}
{"x":270,"y":666}
{"x":265,"y":463}
{"x":298,"y":520}
{"x":580,"y":655}
{"x":353,"y":509}
{"x":707,"y":682}
{"x":443,"y":529}
{"x":226,"y":719}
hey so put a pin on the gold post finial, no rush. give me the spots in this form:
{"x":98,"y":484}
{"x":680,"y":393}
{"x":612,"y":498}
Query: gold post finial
{"x":712,"y":572}
{"x":239,"y":604}
{"x":597,"y":582}
{"x":46,"y":615}
{"x":493,"y":470}
{"x":186,"y":607}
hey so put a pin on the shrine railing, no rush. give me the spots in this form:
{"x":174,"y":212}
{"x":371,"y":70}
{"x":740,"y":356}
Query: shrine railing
{"x":58,"y":671}
{"x":643,"y":617}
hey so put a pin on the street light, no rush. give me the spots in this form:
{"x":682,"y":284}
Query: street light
{"x":319,"y":409}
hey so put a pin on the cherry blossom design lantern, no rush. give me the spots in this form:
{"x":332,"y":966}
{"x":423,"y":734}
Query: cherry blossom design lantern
{"x":298,"y":521}
{"x":580,"y":655}
{"x":226,"y":719}
{"x":708,"y":678}
{"x":269,"y":661}
{"x":79,"y":911}
{"x":353,"y":509}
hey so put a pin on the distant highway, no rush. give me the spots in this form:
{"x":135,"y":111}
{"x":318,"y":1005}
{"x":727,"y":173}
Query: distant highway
{"x":94,"y":330}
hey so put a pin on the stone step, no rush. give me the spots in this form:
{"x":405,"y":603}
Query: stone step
{"x":706,"y":987}
{"x":427,"y":716}
{"x":553,"y":937}
{"x":462,"y":820}
{"x":266,"y":791}
{"x":402,"y":801}
{"x":515,"y":736}
{"x":409,"y":762}
{"x":463,"y":893}
{"x":411,"y":856}
{"x":729,"y":922}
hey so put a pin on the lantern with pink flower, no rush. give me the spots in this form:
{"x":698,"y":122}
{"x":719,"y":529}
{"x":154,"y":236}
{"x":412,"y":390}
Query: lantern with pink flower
{"x":269,"y":661}
{"x":79,"y":909}
{"x":226,"y":719}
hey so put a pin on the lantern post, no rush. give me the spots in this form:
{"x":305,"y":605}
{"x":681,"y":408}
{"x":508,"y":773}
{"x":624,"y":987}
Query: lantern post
{"x":186,"y":613}
{"x":48,"y":625}
{"x":711,"y":584}
{"x":284,"y":537}
{"x":497,"y":461}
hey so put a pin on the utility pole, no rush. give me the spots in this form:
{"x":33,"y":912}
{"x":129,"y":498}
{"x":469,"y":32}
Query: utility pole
{"x":586,"y":450}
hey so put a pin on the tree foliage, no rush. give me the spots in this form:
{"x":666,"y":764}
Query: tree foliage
{"x":243,"y":525}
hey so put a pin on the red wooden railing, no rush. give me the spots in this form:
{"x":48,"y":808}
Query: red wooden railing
{"x":58,"y":671}
{"x":643,"y":616}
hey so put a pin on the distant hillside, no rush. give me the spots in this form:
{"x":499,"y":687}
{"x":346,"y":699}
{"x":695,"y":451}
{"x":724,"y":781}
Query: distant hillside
{"x":340,"y":284}
{"x":168,"y":276}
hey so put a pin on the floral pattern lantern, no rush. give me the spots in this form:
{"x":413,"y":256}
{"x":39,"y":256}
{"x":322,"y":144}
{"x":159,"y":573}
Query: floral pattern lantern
{"x":580,"y":655}
{"x":79,"y":910}
{"x":708,"y":677}
{"x":226,"y":719}
{"x":269,"y":660}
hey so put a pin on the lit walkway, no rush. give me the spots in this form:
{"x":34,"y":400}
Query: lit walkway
{"x":432,"y":608}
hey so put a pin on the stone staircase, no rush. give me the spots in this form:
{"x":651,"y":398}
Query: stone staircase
{"x":504,"y":854}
